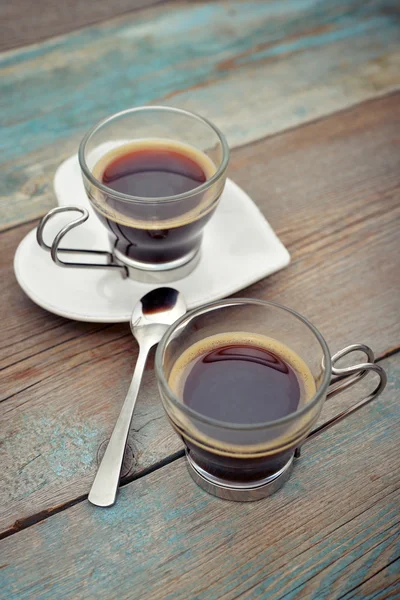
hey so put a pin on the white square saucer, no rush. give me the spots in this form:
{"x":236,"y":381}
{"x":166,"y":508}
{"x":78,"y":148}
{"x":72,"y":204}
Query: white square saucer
{"x":239,"y":248}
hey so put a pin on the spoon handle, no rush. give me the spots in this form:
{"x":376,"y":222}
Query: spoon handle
{"x":105,"y":485}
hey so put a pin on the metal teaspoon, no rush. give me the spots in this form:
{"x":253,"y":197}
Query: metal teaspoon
{"x":151,"y":317}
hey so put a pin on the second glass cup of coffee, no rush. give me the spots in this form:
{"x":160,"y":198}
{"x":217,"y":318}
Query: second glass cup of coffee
{"x":154,"y":176}
{"x":243,"y":383}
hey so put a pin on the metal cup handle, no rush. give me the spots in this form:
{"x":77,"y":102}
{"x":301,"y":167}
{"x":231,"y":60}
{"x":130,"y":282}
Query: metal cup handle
{"x":346,"y":377}
{"x":55,"y":249}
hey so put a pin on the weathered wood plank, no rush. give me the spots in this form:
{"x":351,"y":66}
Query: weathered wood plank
{"x":66,"y":381}
{"x":385,"y":585}
{"x":25,"y":22}
{"x":344,"y":166}
{"x":333,"y":526}
{"x":254,"y":68}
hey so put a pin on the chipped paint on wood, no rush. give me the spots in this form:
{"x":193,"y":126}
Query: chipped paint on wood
{"x":255,"y":68}
{"x":332,"y":526}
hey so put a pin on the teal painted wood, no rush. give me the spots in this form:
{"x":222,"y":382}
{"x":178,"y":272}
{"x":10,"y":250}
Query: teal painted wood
{"x":253,"y":67}
{"x":385,"y":585}
{"x":331,"y":528}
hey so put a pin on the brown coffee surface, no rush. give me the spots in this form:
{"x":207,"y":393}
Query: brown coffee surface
{"x":146,"y":170}
{"x":242,"y":379}
{"x":152,"y":169}
{"x":153,"y":172}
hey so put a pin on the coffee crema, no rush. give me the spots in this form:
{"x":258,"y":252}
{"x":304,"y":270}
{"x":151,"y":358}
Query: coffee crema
{"x":241,"y":378}
{"x":151,"y":169}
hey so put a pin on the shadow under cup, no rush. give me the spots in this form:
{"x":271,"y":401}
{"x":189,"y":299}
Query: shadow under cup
{"x":155,"y":233}
{"x":231,"y":453}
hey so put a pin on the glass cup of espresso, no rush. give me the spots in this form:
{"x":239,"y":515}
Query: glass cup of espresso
{"x":153,"y":176}
{"x":243,"y":383}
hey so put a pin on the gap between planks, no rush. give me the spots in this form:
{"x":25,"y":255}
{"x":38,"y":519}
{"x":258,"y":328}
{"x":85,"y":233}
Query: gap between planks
{"x":238,"y":147}
{"x":43,"y":514}
{"x":349,"y":593}
{"x":21,"y":524}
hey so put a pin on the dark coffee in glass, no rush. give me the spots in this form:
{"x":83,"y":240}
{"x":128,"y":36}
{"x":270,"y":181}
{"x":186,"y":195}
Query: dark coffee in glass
{"x":244,"y":379}
{"x":243,"y":382}
{"x":155,"y":169}
{"x":154,"y":176}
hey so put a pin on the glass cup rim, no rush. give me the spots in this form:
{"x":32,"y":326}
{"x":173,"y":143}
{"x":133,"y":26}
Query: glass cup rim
{"x":209,"y":307}
{"x":141,"y":199}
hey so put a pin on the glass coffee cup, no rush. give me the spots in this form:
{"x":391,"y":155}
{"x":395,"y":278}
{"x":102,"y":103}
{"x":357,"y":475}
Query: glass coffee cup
{"x":154,"y":176}
{"x":232,"y":453}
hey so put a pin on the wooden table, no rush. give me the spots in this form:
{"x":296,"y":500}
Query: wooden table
{"x":305,"y":91}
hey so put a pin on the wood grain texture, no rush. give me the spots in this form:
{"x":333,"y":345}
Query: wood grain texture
{"x":382,"y":586}
{"x":255,"y":68}
{"x":65,"y":381}
{"x":334,"y":525}
{"x":25,"y":22}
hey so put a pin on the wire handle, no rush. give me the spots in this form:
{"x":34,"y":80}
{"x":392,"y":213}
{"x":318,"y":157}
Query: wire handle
{"x":55,"y":249}
{"x":346,"y":377}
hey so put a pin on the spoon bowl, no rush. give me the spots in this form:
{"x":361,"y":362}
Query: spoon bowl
{"x":158,"y":309}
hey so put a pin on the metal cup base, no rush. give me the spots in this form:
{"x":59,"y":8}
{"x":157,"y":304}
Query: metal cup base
{"x":243,"y":492}
{"x":158,"y":274}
